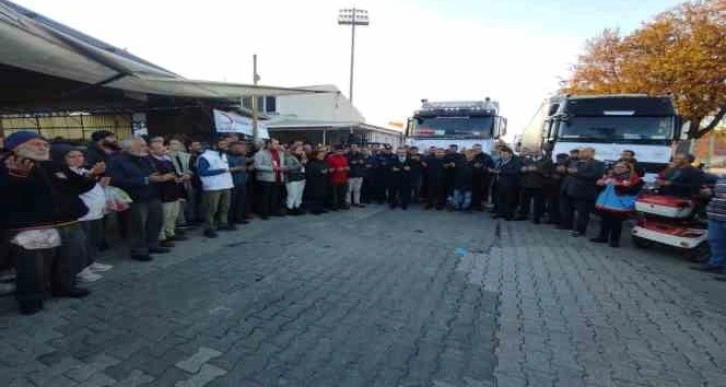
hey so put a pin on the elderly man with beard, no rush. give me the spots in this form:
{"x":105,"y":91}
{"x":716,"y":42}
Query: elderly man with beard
{"x":133,"y":172}
{"x":39,"y":213}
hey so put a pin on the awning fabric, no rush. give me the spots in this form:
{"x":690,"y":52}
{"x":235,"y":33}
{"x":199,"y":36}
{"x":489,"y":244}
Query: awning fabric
{"x":33,"y":42}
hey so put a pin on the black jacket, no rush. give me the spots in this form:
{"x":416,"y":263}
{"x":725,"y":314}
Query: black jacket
{"x":316,"y":182}
{"x":357,"y":163}
{"x":398,"y":172}
{"x":435,"y":170}
{"x":535,"y":179}
{"x":685,"y":182}
{"x":131,"y":173}
{"x":48,"y":196}
{"x":507,"y":175}
{"x":464,"y":175}
{"x":169,"y":191}
{"x":583,"y":183}
{"x":94,"y":154}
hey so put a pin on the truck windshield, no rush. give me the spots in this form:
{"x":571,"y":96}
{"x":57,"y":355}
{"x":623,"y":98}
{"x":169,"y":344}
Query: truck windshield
{"x":454,"y":127}
{"x":625,"y":129}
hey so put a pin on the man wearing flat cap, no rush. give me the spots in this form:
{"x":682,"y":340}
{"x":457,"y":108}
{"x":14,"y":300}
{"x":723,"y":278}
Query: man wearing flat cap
{"x":39,"y":213}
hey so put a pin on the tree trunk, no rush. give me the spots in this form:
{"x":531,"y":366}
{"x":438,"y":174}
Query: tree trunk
{"x":694,"y":128}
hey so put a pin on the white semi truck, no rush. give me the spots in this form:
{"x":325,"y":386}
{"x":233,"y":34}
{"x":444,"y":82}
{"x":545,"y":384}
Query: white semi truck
{"x":647,"y":125}
{"x":461,"y":123}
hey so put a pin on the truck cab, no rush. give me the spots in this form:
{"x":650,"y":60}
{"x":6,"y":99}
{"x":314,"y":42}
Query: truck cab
{"x":610,"y":124}
{"x":461,"y":123}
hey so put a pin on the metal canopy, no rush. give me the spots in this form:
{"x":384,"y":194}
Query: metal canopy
{"x":33,"y":42}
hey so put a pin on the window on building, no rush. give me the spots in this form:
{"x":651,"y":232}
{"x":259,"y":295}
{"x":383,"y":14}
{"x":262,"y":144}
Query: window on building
{"x":270,"y":104}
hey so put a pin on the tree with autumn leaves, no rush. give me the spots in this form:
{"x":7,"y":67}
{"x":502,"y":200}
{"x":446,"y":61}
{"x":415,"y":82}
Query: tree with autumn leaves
{"x":681,"y":52}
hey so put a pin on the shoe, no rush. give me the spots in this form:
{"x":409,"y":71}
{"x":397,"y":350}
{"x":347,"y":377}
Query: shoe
{"x":614,"y":244}
{"x":404,"y":208}
{"x":167,"y":243}
{"x":598,"y":240}
{"x":142,"y":258}
{"x":708,"y":269}
{"x":316,"y":212}
{"x":722,"y":279}
{"x":87,"y":276}
{"x":159,"y":250}
{"x":264,"y":217}
{"x":210,"y":234}
{"x":520,"y":218}
{"x":243,"y":221}
{"x":576,"y":234}
{"x":536,"y":221}
{"x":30,"y":307}
{"x":179,"y":237}
{"x":103,"y":246}
{"x":229,"y":227}
{"x":100,"y":267}
{"x":359,"y":205}
{"x":73,"y":293}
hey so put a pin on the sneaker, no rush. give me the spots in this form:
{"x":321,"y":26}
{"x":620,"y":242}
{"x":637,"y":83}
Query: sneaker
{"x":87,"y":276}
{"x":159,"y":250}
{"x":210,"y":233}
{"x":229,"y":227}
{"x":598,"y":240}
{"x":142,"y":258}
{"x":99,"y":267}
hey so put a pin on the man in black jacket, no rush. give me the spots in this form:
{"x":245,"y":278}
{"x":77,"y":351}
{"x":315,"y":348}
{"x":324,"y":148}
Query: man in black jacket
{"x":534,"y":168}
{"x":132,"y":172}
{"x":683,"y":180}
{"x":481,"y":179}
{"x":39,"y":210}
{"x":399,"y":180}
{"x":580,"y":190}
{"x":552,"y":187}
{"x":416,"y":173}
{"x":435,"y":172}
{"x":506,"y":175}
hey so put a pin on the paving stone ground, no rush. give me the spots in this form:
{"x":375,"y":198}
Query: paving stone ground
{"x":376,"y":297}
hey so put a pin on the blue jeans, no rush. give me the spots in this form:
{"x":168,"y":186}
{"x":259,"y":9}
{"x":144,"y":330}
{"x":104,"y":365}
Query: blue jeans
{"x":717,"y":241}
{"x":461,"y":199}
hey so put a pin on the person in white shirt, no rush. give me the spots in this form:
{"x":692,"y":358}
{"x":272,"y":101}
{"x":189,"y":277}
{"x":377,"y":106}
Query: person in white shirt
{"x":217,"y":184}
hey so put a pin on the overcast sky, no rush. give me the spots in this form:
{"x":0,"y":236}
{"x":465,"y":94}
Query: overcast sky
{"x":514,"y":51}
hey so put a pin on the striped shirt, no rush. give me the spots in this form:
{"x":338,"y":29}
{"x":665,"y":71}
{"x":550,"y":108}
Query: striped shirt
{"x":717,"y":207}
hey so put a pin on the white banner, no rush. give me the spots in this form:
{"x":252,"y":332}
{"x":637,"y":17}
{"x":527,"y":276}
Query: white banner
{"x":229,"y":122}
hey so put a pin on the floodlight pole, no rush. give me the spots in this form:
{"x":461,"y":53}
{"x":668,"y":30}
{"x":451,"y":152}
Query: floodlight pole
{"x":354,"y":17}
{"x":255,"y":79}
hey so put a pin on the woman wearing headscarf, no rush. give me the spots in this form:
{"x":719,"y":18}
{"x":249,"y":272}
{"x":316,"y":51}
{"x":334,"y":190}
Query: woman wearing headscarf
{"x":616,"y":201}
{"x":95,"y":200}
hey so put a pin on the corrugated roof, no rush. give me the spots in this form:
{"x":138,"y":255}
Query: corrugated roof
{"x":34,"y":42}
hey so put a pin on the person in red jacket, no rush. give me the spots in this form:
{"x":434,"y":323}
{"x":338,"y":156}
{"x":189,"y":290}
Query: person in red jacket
{"x":338,"y":167}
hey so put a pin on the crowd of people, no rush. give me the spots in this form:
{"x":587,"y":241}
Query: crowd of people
{"x":57,"y":197}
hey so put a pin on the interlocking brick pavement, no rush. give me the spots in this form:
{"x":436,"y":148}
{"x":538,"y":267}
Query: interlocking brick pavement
{"x":376,"y":297}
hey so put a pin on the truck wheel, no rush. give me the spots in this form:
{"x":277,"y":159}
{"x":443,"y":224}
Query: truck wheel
{"x":698,"y":254}
{"x":642,"y":243}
